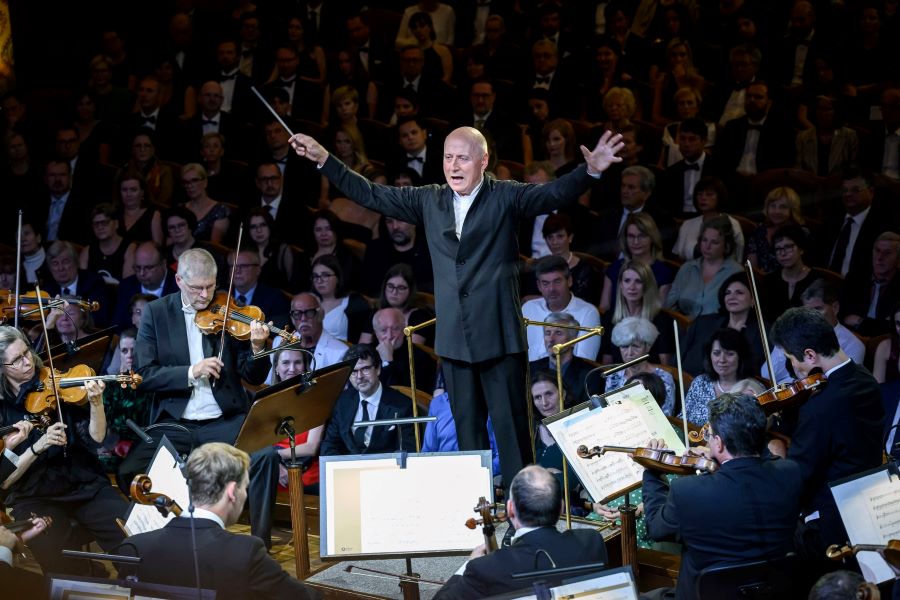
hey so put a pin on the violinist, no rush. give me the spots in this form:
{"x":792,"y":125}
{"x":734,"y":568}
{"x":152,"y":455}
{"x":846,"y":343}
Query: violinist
{"x":533,"y":509}
{"x":838,"y":430}
{"x":58,"y":473}
{"x":745,"y":510}
{"x":195,"y":391}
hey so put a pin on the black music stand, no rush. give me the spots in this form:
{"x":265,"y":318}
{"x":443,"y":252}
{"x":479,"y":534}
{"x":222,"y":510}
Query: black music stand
{"x":90,"y":351}
{"x":300,"y":403}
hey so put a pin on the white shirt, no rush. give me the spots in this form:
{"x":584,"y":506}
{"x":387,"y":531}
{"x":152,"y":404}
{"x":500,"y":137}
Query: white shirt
{"x":33,"y":263}
{"x":691,"y":177}
{"x":228,"y":89}
{"x":248,"y":295}
{"x":72,"y":286}
{"x":202,"y":404}
{"x":202,"y":513}
{"x":158,"y":292}
{"x":747,"y":166}
{"x":539,"y":245}
{"x":585,"y":313}
{"x":689,"y":234}
{"x":854,"y":233}
{"x":461,"y":206}
{"x":6,"y":555}
{"x":289,"y":86}
{"x":336,"y":322}
{"x":371,"y":410}
{"x":147,"y":124}
{"x":891,"y":157}
{"x":800,"y":54}
{"x":734,"y":108}
{"x":417,"y":165}
{"x":545,"y":85}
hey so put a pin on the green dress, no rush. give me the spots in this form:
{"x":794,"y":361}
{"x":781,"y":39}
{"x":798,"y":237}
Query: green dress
{"x":120,"y":404}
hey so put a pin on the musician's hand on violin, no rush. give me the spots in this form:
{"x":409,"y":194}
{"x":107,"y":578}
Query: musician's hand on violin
{"x":657,"y":444}
{"x":95,"y":392}
{"x":55,"y":436}
{"x":208,"y":367}
{"x":480,"y":550}
{"x":40,"y":526}
{"x":259,"y":335}
{"x":308,"y":147}
{"x":23,"y":428}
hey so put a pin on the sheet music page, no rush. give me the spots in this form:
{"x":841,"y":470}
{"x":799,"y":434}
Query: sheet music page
{"x":870,"y":510}
{"x":394,"y":507}
{"x":614,"y":586}
{"x":651,"y":415}
{"x":167,"y":479}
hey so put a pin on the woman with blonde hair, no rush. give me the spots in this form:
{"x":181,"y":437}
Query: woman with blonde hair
{"x":782,"y":207}
{"x":640,"y":241}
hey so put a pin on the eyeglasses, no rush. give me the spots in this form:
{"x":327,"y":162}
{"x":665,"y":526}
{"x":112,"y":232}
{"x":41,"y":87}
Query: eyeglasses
{"x":19,"y":361}
{"x":321,"y":276}
{"x":785,"y":248}
{"x":309,"y":313}
{"x":390,"y":287}
{"x":196,"y":289}
{"x":366,"y":370}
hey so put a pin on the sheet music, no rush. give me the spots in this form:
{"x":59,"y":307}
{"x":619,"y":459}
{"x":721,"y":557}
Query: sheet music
{"x":167,"y":479}
{"x":629,"y":420}
{"x":616,"y":585}
{"x":870,"y":509}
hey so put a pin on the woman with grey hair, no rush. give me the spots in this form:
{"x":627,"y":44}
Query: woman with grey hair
{"x":634,"y":336}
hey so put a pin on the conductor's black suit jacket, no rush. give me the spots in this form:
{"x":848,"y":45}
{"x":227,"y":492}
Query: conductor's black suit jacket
{"x":236,"y":566}
{"x":489,"y":575}
{"x":747,"y":510}
{"x":476,"y":281}
{"x":162,"y":358}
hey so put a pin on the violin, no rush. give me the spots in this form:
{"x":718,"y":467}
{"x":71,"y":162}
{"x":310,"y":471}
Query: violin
{"x":489,"y":515}
{"x":140,"y":493}
{"x":890,"y":552}
{"x":28,"y":312}
{"x":656,"y":459}
{"x":213,"y":319}
{"x":70,"y":384}
{"x":22,"y":526}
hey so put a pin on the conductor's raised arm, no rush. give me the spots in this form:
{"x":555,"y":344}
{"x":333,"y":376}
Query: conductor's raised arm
{"x":307,"y":147}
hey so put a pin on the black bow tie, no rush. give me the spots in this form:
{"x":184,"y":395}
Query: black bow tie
{"x":225,"y":77}
{"x":210,"y":122}
{"x":691,"y":167}
{"x":415,"y":158}
{"x":541,"y":80}
{"x":151,"y":119}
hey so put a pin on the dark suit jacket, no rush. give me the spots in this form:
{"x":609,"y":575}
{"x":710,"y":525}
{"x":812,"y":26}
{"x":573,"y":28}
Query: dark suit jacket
{"x":436,"y":98}
{"x":236,"y":566}
{"x":502,"y":128}
{"x":167,"y":134}
{"x":775,"y":148}
{"x":475,"y":278}
{"x":19,"y":584}
{"x":162,"y":358}
{"x":192,"y":134}
{"x":856,"y":297}
{"x":432,"y":169}
{"x":381,"y":256}
{"x":670,"y":188}
{"x":338,"y":438}
{"x":877,"y":222}
{"x":75,"y":223}
{"x":605,"y":238}
{"x":490,"y":575}
{"x":397,"y":371}
{"x":755,"y":501}
{"x":838,"y":434}
{"x":130,"y":286}
{"x":272,"y":302}
{"x":583,"y":223}
{"x":90,"y":287}
{"x":302,"y":185}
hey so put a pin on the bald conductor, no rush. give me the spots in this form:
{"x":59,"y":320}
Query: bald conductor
{"x":471,"y":226}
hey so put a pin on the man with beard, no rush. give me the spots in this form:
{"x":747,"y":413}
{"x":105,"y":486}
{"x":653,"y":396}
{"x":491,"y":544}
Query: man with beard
{"x":402,"y":246}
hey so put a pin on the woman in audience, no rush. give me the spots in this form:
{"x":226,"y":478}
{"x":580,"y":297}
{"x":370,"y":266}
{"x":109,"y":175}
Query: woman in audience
{"x":344,"y":108}
{"x":94,"y":134}
{"x":108,"y":252}
{"x":348,"y":315}
{"x":438,"y":58}
{"x":606,"y":74}
{"x":782,"y":207}
{"x":350,"y":72}
{"x":828,"y":148}
{"x":224,"y":180}
{"x":586,"y":279}
{"x":725,"y":365}
{"x":886,"y":366}
{"x":621,"y":107}
{"x":312,"y":57}
{"x":736,"y":311}
{"x":33,"y":253}
{"x":180,"y":226}
{"x":634,"y":336}
{"x":399,"y":291}
{"x":679,"y":72}
{"x":327,"y":241}
{"x":638,"y":296}
{"x":696,"y":287}
{"x":561,"y":145}
{"x":781,"y":289}
{"x":138,"y":221}
{"x":159,"y":180}
{"x":276,"y":258}
{"x":641,"y":242}
{"x":349,"y":147}
{"x":288,"y":364}
{"x":687,"y":102}
{"x":709,"y":195}
{"x":212,"y":216}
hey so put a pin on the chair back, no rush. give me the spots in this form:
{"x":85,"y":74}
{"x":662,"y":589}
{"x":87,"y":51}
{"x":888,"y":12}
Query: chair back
{"x":772,"y":579}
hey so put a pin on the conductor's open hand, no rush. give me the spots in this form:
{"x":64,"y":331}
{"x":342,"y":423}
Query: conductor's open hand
{"x":208,"y":367}
{"x":604,"y":154}
{"x":309,"y":148}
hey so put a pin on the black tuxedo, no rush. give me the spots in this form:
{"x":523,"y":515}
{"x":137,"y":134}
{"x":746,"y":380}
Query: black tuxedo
{"x":90,"y":287}
{"x":670,"y":187}
{"x":306,"y":102}
{"x":747,"y":510}
{"x":489,"y":575}
{"x":130,"y":286}
{"x":479,"y":332}
{"x":338,"y":438}
{"x":436,"y":98}
{"x":502,"y":129}
{"x":563,"y":92}
{"x":272,"y":302}
{"x":235,"y":565}
{"x":192,"y":134}
{"x":244,"y":104}
{"x":432,"y":168}
{"x":775,"y":147}
{"x":292,"y":219}
{"x":838,"y":434}
{"x":167,"y":133}
{"x":877,"y":222}
{"x":871,"y":148}
{"x":302,"y":186}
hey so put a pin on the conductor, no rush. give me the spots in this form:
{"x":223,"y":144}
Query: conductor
{"x":471,"y":226}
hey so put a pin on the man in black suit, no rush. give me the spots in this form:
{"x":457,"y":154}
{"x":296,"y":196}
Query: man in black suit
{"x":236,"y":94}
{"x":366,"y":400}
{"x":234,"y":565}
{"x":61,"y":212}
{"x":436,"y":98}
{"x":868,"y":301}
{"x":249,"y":291}
{"x":150,"y":277}
{"x":84,"y":171}
{"x":415,"y":152}
{"x":838,"y":432}
{"x":373,"y":55}
{"x":68,"y":281}
{"x":151,"y":115}
{"x":210,"y":119}
{"x":754,"y":499}
{"x":299,"y":178}
{"x":533,"y":509}
{"x":676,"y":186}
{"x":880,"y":149}
{"x":483,"y":116}
{"x":196,"y":392}
{"x":403,"y":245}
{"x":549,"y":75}
{"x":387,"y":325}
{"x":471,"y":224}
{"x":574,"y":368}
{"x":305,"y":96}
{"x":256,"y":57}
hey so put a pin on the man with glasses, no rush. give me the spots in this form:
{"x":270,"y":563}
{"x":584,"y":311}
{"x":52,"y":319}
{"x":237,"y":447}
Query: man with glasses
{"x":402,"y":245}
{"x":368,"y":400}
{"x":150,"y":277}
{"x":306,"y":317}
{"x":68,"y":281}
{"x":249,"y":291}
{"x":196,"y":382}
{"x":288,"y":219}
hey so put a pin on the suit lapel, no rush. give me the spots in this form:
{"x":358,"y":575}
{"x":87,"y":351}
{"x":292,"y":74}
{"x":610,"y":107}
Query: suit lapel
{"x":447,"y":225}
{"x":179,"y":340}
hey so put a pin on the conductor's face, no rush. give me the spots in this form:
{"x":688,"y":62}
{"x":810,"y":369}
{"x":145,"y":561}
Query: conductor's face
{"x":464,"y":162}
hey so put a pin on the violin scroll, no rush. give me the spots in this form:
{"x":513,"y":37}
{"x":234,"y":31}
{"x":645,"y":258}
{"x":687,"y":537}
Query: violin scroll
{"x":141,"y":493}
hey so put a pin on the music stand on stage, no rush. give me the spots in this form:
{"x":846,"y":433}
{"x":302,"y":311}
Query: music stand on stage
{"x":300,"y":403}
{"x":90,"y":351}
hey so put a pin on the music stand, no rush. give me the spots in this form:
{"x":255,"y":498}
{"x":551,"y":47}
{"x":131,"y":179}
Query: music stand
{"x":91,"y":351}
{"x":300,"y":403}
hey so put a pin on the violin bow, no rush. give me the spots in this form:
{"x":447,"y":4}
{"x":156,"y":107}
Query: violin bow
{"x":230,"y":289}
{"x":687,"y":439}
{"x":18,"y":270}
{"x":748,"y":267}
{"x":53,"y":381}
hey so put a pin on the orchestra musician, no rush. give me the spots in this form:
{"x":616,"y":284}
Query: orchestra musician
{"x":745,"y":510}
{"x":838,"y":430}
{"x":471,"y":225}
{"x":14,"y":581}
{"x":58,"y":473}
{"x":235,"y":566}
{"x":195,"y":391}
